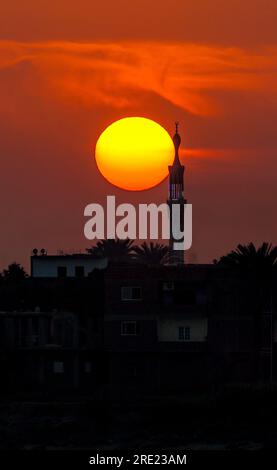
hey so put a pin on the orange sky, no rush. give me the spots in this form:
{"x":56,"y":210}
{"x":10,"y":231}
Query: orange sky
{"x":67,"y":71}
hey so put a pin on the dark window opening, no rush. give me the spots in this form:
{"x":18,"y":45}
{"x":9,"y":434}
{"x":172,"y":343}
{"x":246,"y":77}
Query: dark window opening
{"x":79,"y":271}
{"x":180,"y":293}
{"x":62,"y":271}
{"x":185,"y":297}
{"x":131,"y":372}
{"x":130,"y":293}
{"x":184,"y":333}
{"x":129,"y":328}
{"x":58,"y":367}
{"x":187,"y":333}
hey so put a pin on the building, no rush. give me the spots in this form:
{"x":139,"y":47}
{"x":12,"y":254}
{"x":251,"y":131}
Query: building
{"x":64,"y":265}
{"x":51,"y":334}
{"x":175,"y":328}
{"x":151,"y":331}
{"x":136,"y":329}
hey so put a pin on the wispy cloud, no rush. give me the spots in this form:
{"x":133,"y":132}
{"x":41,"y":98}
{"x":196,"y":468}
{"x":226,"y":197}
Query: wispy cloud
{"x":115,"y":74}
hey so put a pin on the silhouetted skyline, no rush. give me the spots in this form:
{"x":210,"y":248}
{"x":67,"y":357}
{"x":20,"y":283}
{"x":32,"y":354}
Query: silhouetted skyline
{"x":67,"y":71}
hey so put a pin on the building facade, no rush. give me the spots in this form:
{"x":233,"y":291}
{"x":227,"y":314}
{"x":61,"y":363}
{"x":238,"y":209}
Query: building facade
{"x":65,"y":265}
{"x":136,"y":328}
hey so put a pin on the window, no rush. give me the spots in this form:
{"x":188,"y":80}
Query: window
{"x":168,"y":286}
{"x":62,"y":271}
{"x":187,"y":333}
{"x":48,"y":330}
{"x":58,"y":367}
{"x":184,"y":333}
{"x":130,"y":293}
{"x":129,"y":328}
{"x":22,"y":336}
{"x":35,"y":331}
{"x":131,"y":372}
{"x":79,"y":271}
{"x":2,"y":331}
{"x":68,"y":336}
{"x":58,"y":332}
{"x":87,"y":367}
{"x":185,"y":296}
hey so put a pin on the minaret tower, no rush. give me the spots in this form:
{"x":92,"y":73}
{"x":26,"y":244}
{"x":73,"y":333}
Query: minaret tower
{"x":176,"y":195}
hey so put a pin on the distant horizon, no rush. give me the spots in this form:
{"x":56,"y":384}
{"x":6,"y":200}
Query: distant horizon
{"x":72,"y":252}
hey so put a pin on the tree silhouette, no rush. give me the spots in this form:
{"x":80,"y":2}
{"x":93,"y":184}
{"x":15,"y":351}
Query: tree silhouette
{"x":257,"y":262}
{"x":116,"y":250}
{"x":151,"y":253}
{"x":15,"y":272}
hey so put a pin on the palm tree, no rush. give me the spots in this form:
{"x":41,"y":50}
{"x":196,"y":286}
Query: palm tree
{"x":116,"y":250}
{"x":152,"y":253}
{"x":258,"y":262}
{"x":15,"y":272}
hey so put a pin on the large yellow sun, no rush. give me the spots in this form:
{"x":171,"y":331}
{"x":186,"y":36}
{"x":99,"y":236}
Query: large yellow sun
{"x":134,"y":153}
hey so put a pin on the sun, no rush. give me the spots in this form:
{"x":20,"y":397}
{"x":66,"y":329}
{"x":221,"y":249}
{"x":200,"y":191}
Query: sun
{"x":134,"y":153}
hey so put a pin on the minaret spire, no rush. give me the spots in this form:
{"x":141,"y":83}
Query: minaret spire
{"x":177,"y":142}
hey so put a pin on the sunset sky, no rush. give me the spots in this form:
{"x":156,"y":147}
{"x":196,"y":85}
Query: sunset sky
{"x":70,"y":68}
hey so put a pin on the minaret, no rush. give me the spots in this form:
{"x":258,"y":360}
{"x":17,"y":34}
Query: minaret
{"x":176,"y":195}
